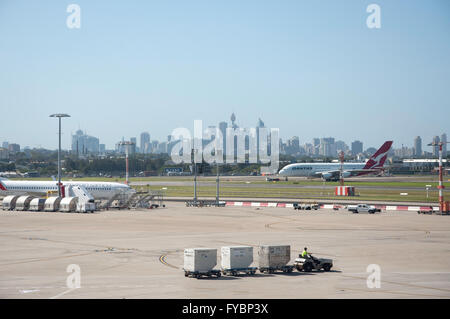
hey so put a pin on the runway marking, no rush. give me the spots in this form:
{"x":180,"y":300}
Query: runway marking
{"x":162,"y":259}
{"x":63,"y":293}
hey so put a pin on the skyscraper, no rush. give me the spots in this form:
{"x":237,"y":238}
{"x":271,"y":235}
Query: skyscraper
{"x":417,"y":146}
{"x":316,"y":144}
{"x":357,"y":147}
{"x":83,"y":144}
{"x":444,"y":146}
{"x":327,"y":146}
{"x":145,"y":142}
{"x":436,"y":140}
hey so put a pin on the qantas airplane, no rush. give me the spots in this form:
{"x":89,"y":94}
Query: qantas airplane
{"x":332,"y":171}
{"x":99,"y":190}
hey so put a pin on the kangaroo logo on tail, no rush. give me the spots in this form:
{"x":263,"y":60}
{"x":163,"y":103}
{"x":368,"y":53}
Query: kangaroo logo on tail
{"x":377,"y":160}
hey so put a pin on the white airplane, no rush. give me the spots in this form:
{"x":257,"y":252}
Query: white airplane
{"x":332,"y":171}
{"x":99,"y":190}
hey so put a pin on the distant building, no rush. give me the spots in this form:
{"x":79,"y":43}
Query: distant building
{"x":83,"y":144}
{"x":436,"y":140}
{"x":341,"y":146}
{"x":4,"y":153}
{"x":13,"y":148}
{"x":145,"y":143}
{"x":102,"y":148}
{"x":357,"y":148}
{"x":327,"y":147}
{"x":5,"y":145}
{"x":316,"y":145}
{"x":417,"y":146}
{"x":444,"y":146}
{"x":126,"y":146}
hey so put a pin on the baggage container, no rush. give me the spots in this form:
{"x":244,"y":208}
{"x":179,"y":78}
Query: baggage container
{"x":23,"y":202}
{"x":52,"y":204}
{"x":37,"y":204}
{"x":236,"y":257}
{"x":274,"y":256}
{"x":68,"y":204}
{"x":9,"y":202}
{"x":199,"y":259}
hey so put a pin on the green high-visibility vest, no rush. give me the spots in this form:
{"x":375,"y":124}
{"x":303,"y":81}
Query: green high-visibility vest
{"x":304,"y":253}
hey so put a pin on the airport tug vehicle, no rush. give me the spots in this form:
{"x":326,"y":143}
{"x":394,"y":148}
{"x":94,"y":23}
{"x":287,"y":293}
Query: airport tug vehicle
{"x":310,"y":263}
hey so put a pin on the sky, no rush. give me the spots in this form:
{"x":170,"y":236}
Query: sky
{"x":309,"y":68}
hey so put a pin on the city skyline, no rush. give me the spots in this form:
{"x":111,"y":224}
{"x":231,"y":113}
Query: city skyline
{"x":317,"y":146}
{"x":158,"y":66}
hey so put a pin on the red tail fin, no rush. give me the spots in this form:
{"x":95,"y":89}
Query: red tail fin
{"x":377,"y":160}
{"x":2,"y":187}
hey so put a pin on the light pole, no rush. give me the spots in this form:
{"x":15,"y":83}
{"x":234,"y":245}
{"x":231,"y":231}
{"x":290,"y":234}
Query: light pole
{"x":441,"y":184}
{"x":59,"y":116}
{"x":194,"y":164}
{"x":427,"y":188}
{"x":127,"y":145}
{"x":219,"y":154}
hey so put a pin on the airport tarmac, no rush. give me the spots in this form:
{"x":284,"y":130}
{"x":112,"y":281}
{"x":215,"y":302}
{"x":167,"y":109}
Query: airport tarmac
{"x":139,"y":253}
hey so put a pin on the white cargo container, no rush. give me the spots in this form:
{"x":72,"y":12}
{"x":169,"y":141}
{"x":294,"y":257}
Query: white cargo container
{"x":274,"y":257}
{"x":84,"y":207}
{"x":68,"y":204}
{"x":236,"y":257}
{"x":23,"y":202}
{"x":200,"y":262}
{"x":200,"y":259}
{"x":52,"y":204}
{"x":37,"y":204}
{"x":9,"y":202}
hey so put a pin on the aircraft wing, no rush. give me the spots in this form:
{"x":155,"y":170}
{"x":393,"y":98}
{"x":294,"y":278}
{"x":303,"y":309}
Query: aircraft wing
{"x":347,"y":173}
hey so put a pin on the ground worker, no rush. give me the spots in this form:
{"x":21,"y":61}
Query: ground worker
{"x":305,"y":253}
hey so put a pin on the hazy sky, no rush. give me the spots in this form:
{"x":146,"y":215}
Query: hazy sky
{"x":310,"y":68}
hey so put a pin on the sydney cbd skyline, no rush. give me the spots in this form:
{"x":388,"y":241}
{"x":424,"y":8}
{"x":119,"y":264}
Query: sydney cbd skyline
{"x":309,"y":69}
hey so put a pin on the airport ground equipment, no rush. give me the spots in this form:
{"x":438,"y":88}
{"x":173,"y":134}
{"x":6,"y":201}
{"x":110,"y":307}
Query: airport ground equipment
{"x":37,"y":204}
{"x":200,"y":262}
{"x":363,"y":208}
{"x":273,"y":258}
{"x":23,"y":202}
{"x":68,"y":204}
{"x":52,"y":204}
{"x":306,"y":206}
{"x":85,"y":201}
{"x":310,"y":263}
{"x":9,"y":202}
{"x":141,"y":199}
{"x":205,"y":203}
{"x":237,"y":259}
{"x":426,"y":211}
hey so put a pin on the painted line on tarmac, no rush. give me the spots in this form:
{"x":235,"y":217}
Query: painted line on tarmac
{"x":63,"y":293}
{"x":162,"y":259}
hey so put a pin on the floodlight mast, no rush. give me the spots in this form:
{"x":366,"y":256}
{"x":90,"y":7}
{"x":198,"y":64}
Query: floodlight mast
{"x":441,"y":184}
{"x":59,"y":116}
